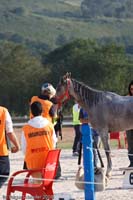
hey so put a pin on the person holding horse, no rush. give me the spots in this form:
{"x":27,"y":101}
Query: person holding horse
{"x":129,"y":133}
{"x":47,"y":93}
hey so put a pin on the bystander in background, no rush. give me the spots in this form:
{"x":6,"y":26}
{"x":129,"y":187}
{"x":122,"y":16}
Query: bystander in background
{"x":76,"y":125}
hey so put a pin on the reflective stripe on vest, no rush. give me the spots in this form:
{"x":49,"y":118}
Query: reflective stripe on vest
{"x":3,"y":144}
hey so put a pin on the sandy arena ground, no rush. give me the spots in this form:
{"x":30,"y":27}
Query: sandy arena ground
{"x":66,"y":186}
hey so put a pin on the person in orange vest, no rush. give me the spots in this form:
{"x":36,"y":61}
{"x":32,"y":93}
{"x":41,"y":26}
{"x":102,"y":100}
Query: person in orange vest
{"x":6,"y":131}
{"x":37,"y":139}
{"x":45,"y":98}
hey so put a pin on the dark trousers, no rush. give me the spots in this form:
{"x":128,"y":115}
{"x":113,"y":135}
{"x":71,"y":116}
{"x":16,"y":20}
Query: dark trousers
{"x":130,"y":146}
{"x":4,"y":169}
{"x":77,"y":138}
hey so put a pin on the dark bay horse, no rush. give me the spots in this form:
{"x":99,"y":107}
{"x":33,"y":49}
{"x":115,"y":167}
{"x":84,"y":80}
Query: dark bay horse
{"x":107,"y":111}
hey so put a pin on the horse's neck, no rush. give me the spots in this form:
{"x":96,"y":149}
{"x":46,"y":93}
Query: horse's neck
{"x":76,"y":92}
{"x":84,"y":95}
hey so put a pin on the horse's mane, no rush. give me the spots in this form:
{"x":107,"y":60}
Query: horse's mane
{"x":87,"y":94}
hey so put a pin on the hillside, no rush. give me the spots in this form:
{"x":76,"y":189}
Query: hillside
{"x":47,"y":24}
{"x":108,"y":8}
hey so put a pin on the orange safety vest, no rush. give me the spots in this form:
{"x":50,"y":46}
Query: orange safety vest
{"x":3,"y":144}
{"x":38,"y":142}
{"x":46,"y":105}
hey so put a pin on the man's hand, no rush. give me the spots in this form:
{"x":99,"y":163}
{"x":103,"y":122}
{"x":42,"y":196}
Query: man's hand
{"x":14,"y":149}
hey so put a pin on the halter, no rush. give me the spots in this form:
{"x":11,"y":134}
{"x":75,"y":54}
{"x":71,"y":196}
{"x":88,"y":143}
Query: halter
{"x":65,"y":94}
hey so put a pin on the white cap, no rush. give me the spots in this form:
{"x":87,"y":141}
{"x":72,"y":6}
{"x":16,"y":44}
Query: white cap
{"x":49,"y":89}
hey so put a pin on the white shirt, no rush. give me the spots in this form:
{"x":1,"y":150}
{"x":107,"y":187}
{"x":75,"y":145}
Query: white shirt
{"x":37,"y":122}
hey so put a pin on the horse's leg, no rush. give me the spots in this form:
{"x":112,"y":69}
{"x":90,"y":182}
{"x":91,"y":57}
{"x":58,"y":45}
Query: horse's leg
{"x":105,"y":141}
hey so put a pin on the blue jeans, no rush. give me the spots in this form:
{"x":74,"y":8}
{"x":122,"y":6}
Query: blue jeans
{"x":4,"y":169}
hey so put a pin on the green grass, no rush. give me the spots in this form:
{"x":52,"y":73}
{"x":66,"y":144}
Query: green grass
{"x":114,"y":144}
{"x":68,"y":144}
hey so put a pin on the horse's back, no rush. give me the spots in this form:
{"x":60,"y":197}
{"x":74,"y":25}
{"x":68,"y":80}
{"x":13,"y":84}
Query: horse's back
{"x":114,"y":112}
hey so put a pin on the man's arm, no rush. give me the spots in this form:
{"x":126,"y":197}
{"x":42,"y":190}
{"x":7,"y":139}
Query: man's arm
{"x":12,"y":137}
{"x":10,"y":134}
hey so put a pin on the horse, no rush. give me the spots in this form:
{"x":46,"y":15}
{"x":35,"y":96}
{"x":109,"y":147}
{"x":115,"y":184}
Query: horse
{"x":108,"y":111}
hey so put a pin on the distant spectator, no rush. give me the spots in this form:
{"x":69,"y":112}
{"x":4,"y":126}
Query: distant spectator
{"x":76,"y":125}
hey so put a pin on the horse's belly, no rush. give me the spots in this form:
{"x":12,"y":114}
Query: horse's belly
{"x":121,"y":124}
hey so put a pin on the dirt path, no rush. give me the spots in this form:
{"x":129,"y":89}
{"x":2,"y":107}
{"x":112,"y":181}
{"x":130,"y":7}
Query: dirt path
{"x":66,"y":186}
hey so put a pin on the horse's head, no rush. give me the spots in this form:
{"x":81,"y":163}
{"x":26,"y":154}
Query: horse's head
{"x":63,"y":87}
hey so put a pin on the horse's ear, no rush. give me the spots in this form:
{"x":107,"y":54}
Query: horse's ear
{"x":68,"y":75}
{"x":63,"y":79}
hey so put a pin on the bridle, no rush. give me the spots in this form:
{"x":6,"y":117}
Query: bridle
{"x":65,"y":94}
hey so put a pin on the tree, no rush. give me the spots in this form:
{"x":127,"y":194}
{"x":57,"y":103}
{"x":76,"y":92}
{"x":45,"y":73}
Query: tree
{"x":21,"y":76}
{"x":103,"y":67}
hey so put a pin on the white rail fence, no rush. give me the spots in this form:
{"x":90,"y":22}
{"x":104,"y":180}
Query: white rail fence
{"x":18,"y":122}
